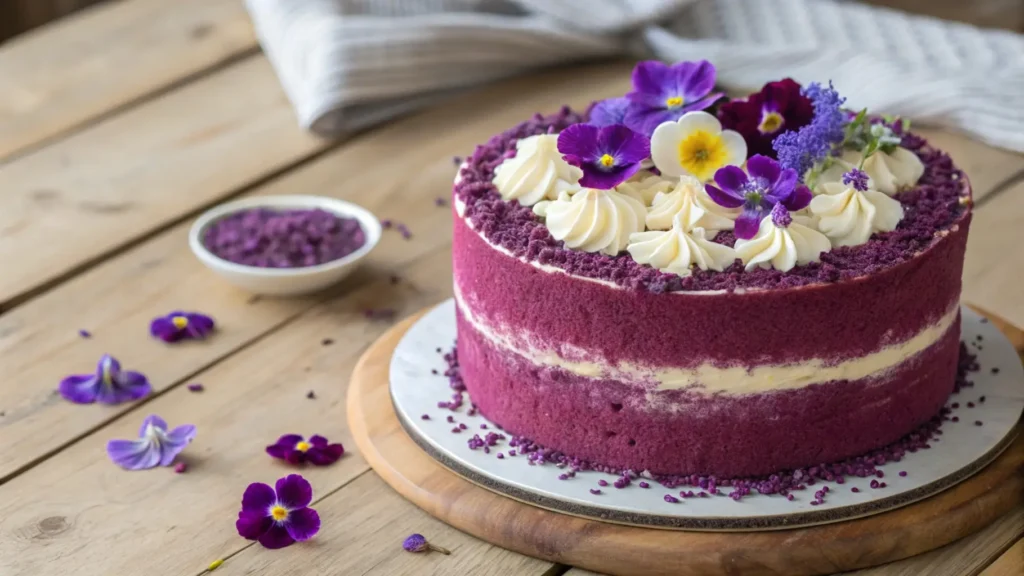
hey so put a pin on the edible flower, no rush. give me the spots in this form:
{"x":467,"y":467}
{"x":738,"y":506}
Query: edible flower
{"x":856,"y":178}
{"x":810,"y":145}
{"x":696,"y":145}
{"x":608,"y":112}
{"x":417,"y":543}
{"x":779,"y":107}
{"x":768,"y":184}
{"x":663,"y":93}
{"x":293,"y":449}
{"x":108,"y":385}
{"x":280,"y":516}
{"x":181,"y":326}
{"x":155,"y":446}
{"x":608,"y":155}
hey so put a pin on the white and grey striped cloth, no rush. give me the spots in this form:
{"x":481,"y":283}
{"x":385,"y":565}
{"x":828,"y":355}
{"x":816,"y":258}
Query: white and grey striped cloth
{"x":346,"y":64}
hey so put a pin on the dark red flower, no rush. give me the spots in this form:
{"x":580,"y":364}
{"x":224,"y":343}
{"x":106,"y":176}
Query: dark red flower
{"x":779,"y":107}
{"x":295,"y":450}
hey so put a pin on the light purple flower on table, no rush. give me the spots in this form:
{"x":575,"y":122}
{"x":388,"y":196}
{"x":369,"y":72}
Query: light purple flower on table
{"x":181,"y":326}
{"x":418,"y":543}
{"x":280,"y":516}
{"x":156,"y":445}
{"x":609,"y":112}
{"x":608,"y":155}
{"x":766,"y":185}
{"x":295,"y":450}
{"x":814,"y":142}
{"x":108,"y":385}
{"x":663,"y":93}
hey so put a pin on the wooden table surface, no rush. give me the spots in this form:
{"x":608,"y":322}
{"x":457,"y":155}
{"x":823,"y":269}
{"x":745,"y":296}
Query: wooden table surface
{"x":117,"y":127}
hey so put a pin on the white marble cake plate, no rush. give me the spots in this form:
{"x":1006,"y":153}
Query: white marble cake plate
{"x":963,"y":450}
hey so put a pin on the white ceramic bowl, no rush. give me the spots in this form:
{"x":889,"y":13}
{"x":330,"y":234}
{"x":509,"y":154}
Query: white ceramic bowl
{"x":285,"y":281}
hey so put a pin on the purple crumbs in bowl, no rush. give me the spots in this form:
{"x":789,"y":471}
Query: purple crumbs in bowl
{"x":268,"y":238}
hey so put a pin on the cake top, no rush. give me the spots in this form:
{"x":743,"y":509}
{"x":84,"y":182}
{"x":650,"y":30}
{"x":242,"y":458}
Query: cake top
{"x":676,"y":188}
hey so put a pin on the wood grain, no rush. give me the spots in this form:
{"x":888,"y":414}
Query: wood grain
{"x":625,"y":550}
{"x":994,"y":267}
{"x":87,"y":65}
{"x":1011,"y":563}
{"x":160,"y":275}
{"x":364,"y":524}
{"x":100,"y":189}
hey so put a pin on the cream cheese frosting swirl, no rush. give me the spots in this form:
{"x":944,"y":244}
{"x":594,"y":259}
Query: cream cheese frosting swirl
{"x":644,"y":186}
{"x":537,"y":172}
{"x":782,"y":242}
{"x":692,"y":202}
{"x":849,"y":216}
{"x":679,"y":249}
{"x":593,"y":220}
{"x":888,"y":172}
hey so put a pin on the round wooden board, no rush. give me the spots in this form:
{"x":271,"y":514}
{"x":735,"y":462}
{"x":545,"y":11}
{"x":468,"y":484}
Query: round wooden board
{"x":621,"y":550}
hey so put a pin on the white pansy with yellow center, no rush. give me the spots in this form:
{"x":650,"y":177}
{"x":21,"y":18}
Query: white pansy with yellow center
{"x":537,"y":172}
{"x":690,"y":200}
{"x":593,"y":220}
{"x":696,"y":145}
{"x":679,"y":249}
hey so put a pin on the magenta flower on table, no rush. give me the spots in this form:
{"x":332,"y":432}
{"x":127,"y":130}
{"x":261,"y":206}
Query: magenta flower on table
{"x":293,"y":449}
{"x":608,"y":112}
{"x":179,"y":325}
{"x":779,"y":107}
{"x":608,"y":155}
{"x":663,"y":93}
{"x":108,"y":385}
{"x":280,"y":516}
{"x":758,"y":192}
{"x":156,"y":446}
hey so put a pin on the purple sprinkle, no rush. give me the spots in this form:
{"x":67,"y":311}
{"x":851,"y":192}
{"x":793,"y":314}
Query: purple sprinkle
{"x":195,"y":387}
{"x":977,"y":422}
{"x":440,"y":201}
{"x":789,"y":497}
{"x":882,"y":484}
{"x":501,"y":456}
{"x":815,"y":502}
{"x":644,"y":484}
{"x":854,"y":489}
{"x":956,"y":418}
{"x":880,"y":474}
{"x":970,"y":404}
{"x":450,"y":419}
{"x":386,"y":223}
{"x":311,"y":395}
{"x":956,"y":405}
{"x":511,"y":452}
{"x":456,"y":430}
{"x":85,"y":333}
{"x":670,"y":498}
{"x":981,"y":400}
{"x":463,"y":426}
{"x":433,"y":371}
{"x":595,"y":491}
{"x":180,"y":468}
{"x":563,"y":476}
{"x":425,"y":417}
{"x":602,"y":483}
{"x":903,"y":472}
{"x":874,"y":483}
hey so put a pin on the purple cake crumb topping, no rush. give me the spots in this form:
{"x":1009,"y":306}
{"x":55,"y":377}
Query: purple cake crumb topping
{"x":931,"y":207}
{"x":283,"y":238}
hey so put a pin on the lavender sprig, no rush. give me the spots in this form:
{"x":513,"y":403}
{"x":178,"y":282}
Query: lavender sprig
{"x":808,"y":148}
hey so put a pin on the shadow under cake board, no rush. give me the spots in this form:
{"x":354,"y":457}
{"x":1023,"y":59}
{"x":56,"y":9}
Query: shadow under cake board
{"x":620,"y":549}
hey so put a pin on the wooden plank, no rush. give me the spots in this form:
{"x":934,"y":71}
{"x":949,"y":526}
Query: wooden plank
{"x":96,"y":191}
{"x":363,"y":526}
{"x":61,"y":76}
{"x":158,"y":522}
{"x":1011,"y":563}
{"x":160,"y":275}
{"x":994,"y":269}
{"x":17,"y":16}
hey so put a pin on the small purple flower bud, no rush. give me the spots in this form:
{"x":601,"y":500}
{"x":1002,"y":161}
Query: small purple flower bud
{"x":417,"y":543}
{"x":856,"y":178}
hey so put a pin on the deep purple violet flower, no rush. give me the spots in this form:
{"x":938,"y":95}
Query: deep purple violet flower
{"x":280,"y":516}
{"x":293,"y":449}
{"x":856,"y":178}
{"x":663,"y":93}
{"x":814,"y":142}
{"x":767,"y":185}
{"x":779,"y":107}
{"x":108,"y":385}
{"x":181,"y":326}
{"x":607,"y":155}
{"x":155,"y":446}
{"x":608,"y":112}
{"x":417,"y":543}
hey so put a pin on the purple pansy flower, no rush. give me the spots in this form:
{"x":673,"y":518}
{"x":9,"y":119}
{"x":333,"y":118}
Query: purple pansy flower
{"x":663,"y":93}
{"x":295,"y":450}
{"x":280,"y":516}
{"x":108,"y":385}
{"x":181,"y":326}
{"x":155,"y":446}
{"x":766,"y":185}
{"x":779,"y":107}
{"x":608,"y":112}
{"x":608,"y":155}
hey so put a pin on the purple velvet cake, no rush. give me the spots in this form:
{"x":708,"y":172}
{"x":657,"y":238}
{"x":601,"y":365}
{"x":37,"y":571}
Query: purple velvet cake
{"x":637,"y":288}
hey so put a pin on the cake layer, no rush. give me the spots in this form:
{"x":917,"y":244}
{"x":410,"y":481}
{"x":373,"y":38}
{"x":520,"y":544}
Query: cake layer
{"x":679,"y":431}
{"x":590,"y":319}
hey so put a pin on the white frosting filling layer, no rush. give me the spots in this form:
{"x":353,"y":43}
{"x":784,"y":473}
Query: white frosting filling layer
{"x":710,"y":378}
